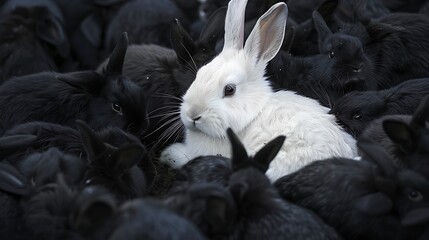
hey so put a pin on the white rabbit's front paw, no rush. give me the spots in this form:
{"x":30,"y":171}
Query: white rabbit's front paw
{"x":175,"y":155}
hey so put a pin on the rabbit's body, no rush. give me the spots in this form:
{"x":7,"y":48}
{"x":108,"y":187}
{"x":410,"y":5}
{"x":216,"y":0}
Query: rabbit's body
{"x":248,"y":105}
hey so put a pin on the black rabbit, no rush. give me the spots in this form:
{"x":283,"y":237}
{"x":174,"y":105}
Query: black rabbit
{"x":357,"y":198}
{"x":110,"y":157}
{"x":356,"y":110}
{"x":107,"y":99}
{"x":32,"y":40}
{"x":57,"y":211}
{"x":352,"y":68}
{"x":261,"y":213}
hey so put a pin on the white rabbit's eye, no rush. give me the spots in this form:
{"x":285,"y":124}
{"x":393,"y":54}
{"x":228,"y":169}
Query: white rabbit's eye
{"x":415,"y":196}
{"x":331,"y":54}
{"x":229,"y":90}
{"x":117,"y":108}
{"x":357,"y":116}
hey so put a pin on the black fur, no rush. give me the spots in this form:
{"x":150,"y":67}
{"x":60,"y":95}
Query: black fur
{"x":356,"y":110}
{"x":107,"y":99}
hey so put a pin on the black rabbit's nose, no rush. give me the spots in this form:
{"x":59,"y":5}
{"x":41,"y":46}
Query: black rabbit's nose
{"x":358,"y":68}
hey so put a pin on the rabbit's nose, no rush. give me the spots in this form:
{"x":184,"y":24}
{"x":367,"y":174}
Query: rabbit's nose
{"x":358,"y":68}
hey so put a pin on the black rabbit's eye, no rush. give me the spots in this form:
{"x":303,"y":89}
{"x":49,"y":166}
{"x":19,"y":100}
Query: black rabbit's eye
{"x":89,"y":181}
{"x":117,"y":108}
{"x":415,"y":196}
{"x":339,"y":29}
{"x":229,"y":90}
{"x":357,"y":116}
{"x":331,"y":54}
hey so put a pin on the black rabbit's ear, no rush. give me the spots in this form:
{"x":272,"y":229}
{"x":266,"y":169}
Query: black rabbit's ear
{"x":378,"y":155}
{"x":416,"y":217}
{"x":267,"y":153}
{"x":401,"y":134}
{"x":50,"y":30}
{"x":116,"y":61}
{"x":15,"y":142}
{"x":87,"y":81}
{"x":321,"y":27}
{"x":421,"y":115}
{"x":125,"y":158}
{"x":11,"y":181}
{"x":182,"y":43}
{"x":91,"y":29}
{"x":239,"y":154}
{"x":214,"y":28}
{"x":374,"y":204}
{"x":219,"y":213}
{"x":94,"y":213}
{"x":91,"y":142}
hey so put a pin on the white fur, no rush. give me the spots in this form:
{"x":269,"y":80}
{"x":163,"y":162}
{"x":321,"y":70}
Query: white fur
{"x":254,"y":112}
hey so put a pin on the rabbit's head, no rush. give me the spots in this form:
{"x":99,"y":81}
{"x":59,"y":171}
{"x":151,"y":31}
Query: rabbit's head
{"x":231,"y":90}
{"x":350,"y":65}
{"x":357,"y":109}
{"x":114,"y":100}
{"x":114,"y":167}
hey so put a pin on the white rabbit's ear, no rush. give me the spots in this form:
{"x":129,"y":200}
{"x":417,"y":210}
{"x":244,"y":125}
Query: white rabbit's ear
{"x":267,"y":36}
{"x":234,"y":24}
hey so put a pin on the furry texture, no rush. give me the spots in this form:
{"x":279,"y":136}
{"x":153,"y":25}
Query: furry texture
{"x":356,"y":110}
{"x":254,"y":111}
{"x":32,"y":40}
{"x":107,"y":99}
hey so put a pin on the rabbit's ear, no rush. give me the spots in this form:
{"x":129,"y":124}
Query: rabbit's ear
{"x":87,"y":81}
{"x":321,"y":27}
{"x":421,"y":115}
{"x":116,"y":61}
{"x":378,"y":155}
{"x":50,"y":30}
{"x":11,"y":181}
{"x":92,"y":144}
{"x":374,"y":204}
{"x":401,"y":134}
{"x":16,"y":141}
{"x":234,"y":24}
{"x":266,"y":154}
{"x":125,"y":158}
{"x":182,"y":43}
{"x":91,"y":29}
{"x":239,"y":154}
{"x":214,"y":27}
{"x":267,"y":36}
{"x":94,"y":213}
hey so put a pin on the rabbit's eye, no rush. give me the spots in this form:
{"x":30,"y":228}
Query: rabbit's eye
{"x":117,"y":108}
{"x":229,"y":90}
{"x":357,"y":116}
{"x":331,"y":54}
{"x":415,"y":196}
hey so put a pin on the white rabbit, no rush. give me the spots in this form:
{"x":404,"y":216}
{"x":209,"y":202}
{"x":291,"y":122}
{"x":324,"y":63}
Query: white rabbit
{"x":231,"y":91}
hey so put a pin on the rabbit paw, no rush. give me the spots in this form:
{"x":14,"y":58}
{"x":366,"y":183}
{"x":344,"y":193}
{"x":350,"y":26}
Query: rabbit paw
{"x":175,"y":155}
